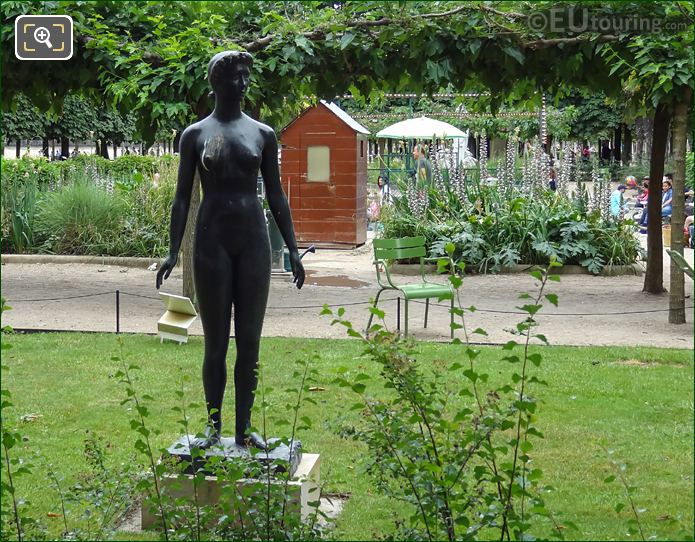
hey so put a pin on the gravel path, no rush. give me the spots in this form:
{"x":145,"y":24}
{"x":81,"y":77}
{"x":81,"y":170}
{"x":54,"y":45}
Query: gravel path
{"x":587,"y":312}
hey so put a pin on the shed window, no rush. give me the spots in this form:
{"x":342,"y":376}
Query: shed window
{"x":318,"y":159}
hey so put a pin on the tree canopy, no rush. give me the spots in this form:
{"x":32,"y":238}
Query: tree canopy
{"x":152,"y":57}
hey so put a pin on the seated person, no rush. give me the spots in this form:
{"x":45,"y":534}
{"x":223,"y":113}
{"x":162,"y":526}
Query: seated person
{"x":689,"y":201}
{"x":643,"y":195}
{"x":618,"y":202}
{"x":667,"y":198}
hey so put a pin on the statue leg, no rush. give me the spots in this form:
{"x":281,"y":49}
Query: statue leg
{"x":213,"y":284}
{"x":251,"y":284}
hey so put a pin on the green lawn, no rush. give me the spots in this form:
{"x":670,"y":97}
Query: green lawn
{"x":636,"y":401}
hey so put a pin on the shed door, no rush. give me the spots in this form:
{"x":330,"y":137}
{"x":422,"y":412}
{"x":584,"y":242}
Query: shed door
{"x":317,"y":189}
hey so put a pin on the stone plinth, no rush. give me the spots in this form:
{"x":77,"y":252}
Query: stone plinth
{"x":303,"y":490}
{"x":279,"y":457}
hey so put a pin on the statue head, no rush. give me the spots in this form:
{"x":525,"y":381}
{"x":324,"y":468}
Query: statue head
{"x":229,"y":73}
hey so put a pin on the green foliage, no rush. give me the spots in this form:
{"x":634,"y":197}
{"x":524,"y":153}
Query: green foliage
{"x":396,"y":109}
{"x":102,"y":494}
{"x":504,"y":232}
{"x":127,"y":164}
{"x":682,"y":263}
{"x":78,"y":219}
{"x":254,"y":501}
{"x":655,"y":67}
{"x":594,"y":115}
{"x":15,"y":518}
{"x":23,"y":121}
{"x":152,"y":58}
{"x":635,"y":525}
{"x":113,"y":126}
{"x":143,"y":444}
{"x":88,"y":205}
{"x":593,"y":393}
{"x":18,"y":211}
{"x":446,"y":442}
{"x":78,"y":118}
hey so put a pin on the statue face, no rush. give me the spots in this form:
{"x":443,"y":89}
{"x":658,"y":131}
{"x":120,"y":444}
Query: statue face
{"x":230,"y":78}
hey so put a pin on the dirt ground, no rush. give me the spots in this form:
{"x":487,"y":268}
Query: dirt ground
{"x":591,"y":311}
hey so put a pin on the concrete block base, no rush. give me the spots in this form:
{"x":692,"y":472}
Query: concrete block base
{"x":303,"y":489}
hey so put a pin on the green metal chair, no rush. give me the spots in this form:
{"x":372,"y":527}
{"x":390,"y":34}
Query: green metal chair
{"x":389,"y":250}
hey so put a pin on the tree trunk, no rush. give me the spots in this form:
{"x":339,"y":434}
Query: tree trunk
{"x":188,"y":240}
{"x":177,"y":139}
{"x":44,"y":147}
{"x":471,"y":146}
{"x":639,"y":140}
{"x":617,"y":143}
{"x":202,"y":109}
{"x":654,"y":277}
{"x":104,"y":149}
{"x":676,"y":301}
{"x":670,"y":144}
{"x":64,"y":146}
{"x":627,"y":145}
{"x":18,"y":149}
{"x":255,"y":111}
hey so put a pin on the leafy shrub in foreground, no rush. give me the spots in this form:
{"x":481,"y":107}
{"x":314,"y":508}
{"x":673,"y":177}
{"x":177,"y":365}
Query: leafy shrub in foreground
{"x":445,"y":441}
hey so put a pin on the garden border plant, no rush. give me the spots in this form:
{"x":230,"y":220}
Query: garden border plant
{"x":264,"y":495}
{"x":459,"y":467}
{"x":88,"y":205}
{"x":516,"y":221}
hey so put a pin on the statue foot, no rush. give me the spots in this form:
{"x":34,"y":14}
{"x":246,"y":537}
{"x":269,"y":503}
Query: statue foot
{"x":210,"y":438}
{"x":251,"y":440}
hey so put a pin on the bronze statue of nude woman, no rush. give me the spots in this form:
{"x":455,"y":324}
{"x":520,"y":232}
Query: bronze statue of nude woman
{"x":231,"y":259}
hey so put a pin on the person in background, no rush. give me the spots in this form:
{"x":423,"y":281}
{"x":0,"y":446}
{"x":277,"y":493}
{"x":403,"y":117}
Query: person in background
{"x":618,"y":202}
{"x":423,"y":167}
{"x":667,"y":198}
{"x":384,"y":191}
{"x":605,"y":151}
{"x":643,"y":195}
{"x":552,"y":179}
{"x":642,"y":201}
{"x":687,"y":193}
{"x":688,"y":232}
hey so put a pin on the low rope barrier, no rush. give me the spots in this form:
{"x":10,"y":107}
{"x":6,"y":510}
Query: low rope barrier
{"x":351,"y":304}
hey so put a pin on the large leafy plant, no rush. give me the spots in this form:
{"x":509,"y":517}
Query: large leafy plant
{"x":490,"y":232}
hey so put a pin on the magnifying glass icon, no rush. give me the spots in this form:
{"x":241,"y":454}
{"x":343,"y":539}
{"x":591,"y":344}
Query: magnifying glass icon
{"x":42,"y":35}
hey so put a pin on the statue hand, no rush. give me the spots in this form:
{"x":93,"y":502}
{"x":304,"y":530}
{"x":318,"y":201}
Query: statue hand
{"x":167,"y":267}
{"x":297,"y":269}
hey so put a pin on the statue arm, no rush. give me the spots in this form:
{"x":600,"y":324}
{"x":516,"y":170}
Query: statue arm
{"x":184,"y":187}
{"x":182,"y":201}
{"x":277,"y":201}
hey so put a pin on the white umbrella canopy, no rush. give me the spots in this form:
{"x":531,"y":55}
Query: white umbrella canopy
{"x":421,"y":128}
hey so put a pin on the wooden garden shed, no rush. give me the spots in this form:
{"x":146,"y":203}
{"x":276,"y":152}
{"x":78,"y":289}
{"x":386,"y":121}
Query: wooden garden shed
{"x":324,"y":174}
